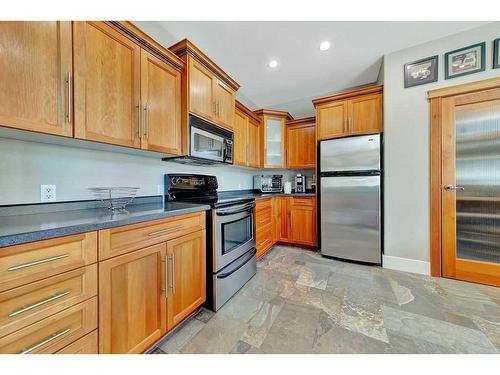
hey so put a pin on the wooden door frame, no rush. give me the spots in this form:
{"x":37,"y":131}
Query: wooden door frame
{"x":436,"y":154}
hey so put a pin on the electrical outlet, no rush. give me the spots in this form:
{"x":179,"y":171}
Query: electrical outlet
{"x":48,"y":193}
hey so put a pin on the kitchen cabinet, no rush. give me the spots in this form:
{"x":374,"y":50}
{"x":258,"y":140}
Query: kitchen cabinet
{"x":284,"y":216}
{"x":86,"y":345}
{"x":161,"y":105}
{"x":273,"y":137}
{"x":132,"y":304}
{"x":301,"y":143}
{"x":208,"y":92}
{"x":186,"y":281}
{"x":351,"y":113}
{"x":36,"y":75}
{"x":264,"y":225}
{"x":107,"y":85}
{"x":303,"y":221}
{"x":246,"y":128}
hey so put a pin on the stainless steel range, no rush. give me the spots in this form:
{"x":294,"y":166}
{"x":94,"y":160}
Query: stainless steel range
{"x":231,"y":253}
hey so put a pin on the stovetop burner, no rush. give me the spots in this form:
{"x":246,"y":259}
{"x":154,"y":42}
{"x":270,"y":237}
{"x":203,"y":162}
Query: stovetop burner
{"x":195,"y":188}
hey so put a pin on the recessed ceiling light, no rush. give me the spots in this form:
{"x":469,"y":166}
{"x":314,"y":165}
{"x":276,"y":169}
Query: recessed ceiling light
{"x":273,"y":64}
{"x":324,"y":45}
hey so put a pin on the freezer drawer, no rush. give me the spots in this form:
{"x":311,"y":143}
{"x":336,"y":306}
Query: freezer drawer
{"x":350,"y":218}
{"x":360,"y":153}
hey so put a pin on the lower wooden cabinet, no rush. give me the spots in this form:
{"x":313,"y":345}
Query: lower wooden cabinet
{"x":86,"y":345}
{"x":186,"y":276}
{"x":285,"y":219}
{"x":132,"y":305}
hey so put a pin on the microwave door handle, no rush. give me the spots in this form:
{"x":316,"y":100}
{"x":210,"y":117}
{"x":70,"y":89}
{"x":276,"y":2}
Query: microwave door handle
{"x":224,"y":151}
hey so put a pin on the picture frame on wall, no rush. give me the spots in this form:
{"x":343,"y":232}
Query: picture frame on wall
{"x":466,"y":60}
{"x":496,"y":53}
{"x":421,"y":71}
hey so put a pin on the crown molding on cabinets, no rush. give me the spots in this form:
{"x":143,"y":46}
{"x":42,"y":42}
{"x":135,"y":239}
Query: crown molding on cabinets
{"x":247,"y":111}
{"x":273,"y":113}
{"x":350,"y":94}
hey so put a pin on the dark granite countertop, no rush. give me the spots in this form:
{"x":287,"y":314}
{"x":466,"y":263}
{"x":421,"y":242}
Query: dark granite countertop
{"x":33,"y":224}
{"x":258,"y":195}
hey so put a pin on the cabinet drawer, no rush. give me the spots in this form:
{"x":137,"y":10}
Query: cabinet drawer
{"x":261,"y":204}
{"x":299,"y":201}
{"x":264,"y":217}
{"x":23,"y":264}
{"x":121,"y":240}
{"x":24,"y":305}
{"x":264,"y":240}
{"x":86,"y":345}
{"x":55,"y":332}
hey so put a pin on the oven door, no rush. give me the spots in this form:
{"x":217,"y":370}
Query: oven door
{"x":207,"y":145}
{"x":234,"y":233}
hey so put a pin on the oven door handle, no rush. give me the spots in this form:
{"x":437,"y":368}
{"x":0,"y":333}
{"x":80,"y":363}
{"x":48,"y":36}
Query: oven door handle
{"x":250,"y":255}
{"x":235,"y":210}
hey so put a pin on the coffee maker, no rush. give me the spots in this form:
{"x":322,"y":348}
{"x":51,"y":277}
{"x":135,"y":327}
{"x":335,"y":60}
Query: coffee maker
{"x":300,"y":183}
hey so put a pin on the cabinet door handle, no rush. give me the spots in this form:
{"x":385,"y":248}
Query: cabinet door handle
{"x":172,"y":273}
{"x":46,"y":341}
{"x":36,"y":262}
{"x":69,"y":97}
{"x":164,"y":231}
{"x":165,"y":282}
{"x":37,"y":304}
{"x":146,"y":120}
{"x":139,"y":127}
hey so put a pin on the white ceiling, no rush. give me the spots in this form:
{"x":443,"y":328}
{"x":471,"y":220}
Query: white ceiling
{"x":243,"y":50}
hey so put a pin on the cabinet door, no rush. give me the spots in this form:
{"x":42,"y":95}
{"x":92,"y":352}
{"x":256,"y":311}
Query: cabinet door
{"x":186,"y":276}
{"x":132,"y":305}
{"x":303,"y":224}
{"x":107,"y":85}
{"x":161,"y":102}
{"x":224,"y":107}
{"x":201,"y":90}
{"x":284,"y":234}
{"x":240,"y":138}
{"x":301,"y":146}
{"x":274,"y":146}
{"x":331,"y":120}
{"x":365,"y":114}
{"x":253,"y":141}
{"x":35,"y":64}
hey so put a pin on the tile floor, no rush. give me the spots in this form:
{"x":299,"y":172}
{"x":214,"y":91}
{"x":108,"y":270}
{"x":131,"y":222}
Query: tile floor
{"x":299,"y":302}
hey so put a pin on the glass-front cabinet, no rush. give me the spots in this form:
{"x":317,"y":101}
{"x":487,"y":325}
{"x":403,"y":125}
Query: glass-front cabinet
{"x":273,"y":138}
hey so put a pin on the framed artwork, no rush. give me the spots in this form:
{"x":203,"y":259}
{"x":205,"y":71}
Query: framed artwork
{"x":496,"y":53}
{"x":421,"y":71}
{"x":466,"y":60}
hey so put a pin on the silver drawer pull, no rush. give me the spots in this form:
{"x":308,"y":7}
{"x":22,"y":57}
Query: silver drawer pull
{"x":46,"y":341}
{"x":31,"y":307}
{"x":21,"y":266}
{"x":163,"y":231}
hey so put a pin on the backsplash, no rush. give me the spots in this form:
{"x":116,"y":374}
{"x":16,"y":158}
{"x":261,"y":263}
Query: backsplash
{"x":24,"y":166}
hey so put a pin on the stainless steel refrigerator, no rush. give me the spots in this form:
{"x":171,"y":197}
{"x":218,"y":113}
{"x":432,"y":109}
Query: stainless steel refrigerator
{"x":350,"y":198}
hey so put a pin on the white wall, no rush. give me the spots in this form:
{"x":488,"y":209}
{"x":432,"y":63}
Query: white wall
{"x":24,"y":166}
{"x":406,"y":134}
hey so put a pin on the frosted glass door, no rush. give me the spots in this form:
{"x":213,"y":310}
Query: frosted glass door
{"x":274,"y":139}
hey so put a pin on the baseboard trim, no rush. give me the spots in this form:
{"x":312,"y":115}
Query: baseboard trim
{"x":407,"y":265}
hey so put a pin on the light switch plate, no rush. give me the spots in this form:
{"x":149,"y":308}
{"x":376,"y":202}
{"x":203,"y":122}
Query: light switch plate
{"x":47,"y":193}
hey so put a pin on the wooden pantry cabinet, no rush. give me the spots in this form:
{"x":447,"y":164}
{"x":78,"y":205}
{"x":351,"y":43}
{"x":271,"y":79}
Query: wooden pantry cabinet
{"x":207,"y":91}
{"x":351,"y":113}
{"x":35,"y":74}
{"x":301,"y":143}
{"x":246,"y":128}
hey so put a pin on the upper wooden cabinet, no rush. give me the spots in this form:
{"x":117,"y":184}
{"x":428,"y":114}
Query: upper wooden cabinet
{"x":35,"y":75}
{"x":301,"y":143}
{"x":161,"y":104}
{"x":124,"y":94}
{"x":107,"y":85}
{"x":246,"y":128}
{"x":273,"y":137}
{"x":208,"y":92}
{"x":355,"y":112}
